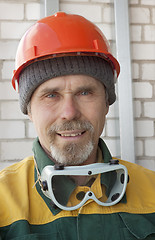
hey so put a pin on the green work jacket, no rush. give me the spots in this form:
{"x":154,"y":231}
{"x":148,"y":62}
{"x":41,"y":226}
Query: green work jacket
{"x":26,"y":213}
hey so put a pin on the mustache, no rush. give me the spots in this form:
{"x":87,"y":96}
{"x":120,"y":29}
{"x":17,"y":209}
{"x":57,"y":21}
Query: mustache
{"x":71,"y":125}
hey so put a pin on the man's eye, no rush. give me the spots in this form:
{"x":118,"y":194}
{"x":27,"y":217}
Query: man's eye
{"x":52,"y":95}
{"x":85,"y":93}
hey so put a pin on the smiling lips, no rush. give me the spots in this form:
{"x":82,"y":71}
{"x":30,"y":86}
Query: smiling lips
{"x":71,"y":133}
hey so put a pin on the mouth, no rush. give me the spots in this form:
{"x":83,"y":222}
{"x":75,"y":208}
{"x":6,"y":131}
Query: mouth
{"x":69,"y":134}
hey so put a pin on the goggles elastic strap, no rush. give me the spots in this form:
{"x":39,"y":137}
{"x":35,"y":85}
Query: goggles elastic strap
{"x":38,"y":175}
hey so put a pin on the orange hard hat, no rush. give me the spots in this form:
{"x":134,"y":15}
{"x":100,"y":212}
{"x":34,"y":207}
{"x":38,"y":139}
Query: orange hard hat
{"x":59,"y":35}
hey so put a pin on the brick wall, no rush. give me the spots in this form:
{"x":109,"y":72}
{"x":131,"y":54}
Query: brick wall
{"x":17,"y":132}
{"x":142,"y":19}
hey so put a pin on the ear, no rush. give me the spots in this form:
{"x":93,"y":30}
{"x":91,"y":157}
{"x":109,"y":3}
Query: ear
{"x":29,"y":113}
{"x":107,"y":109}
{"x":30,"y":116}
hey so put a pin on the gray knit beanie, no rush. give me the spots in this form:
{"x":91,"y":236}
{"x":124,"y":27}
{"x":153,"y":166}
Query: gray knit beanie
{"x":38,"y":72}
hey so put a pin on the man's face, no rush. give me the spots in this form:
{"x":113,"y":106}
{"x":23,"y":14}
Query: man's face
{"x":69,"y":115}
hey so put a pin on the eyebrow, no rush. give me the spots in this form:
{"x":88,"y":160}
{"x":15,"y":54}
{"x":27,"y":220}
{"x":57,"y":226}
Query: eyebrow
{"x":88,"y":88}
{"x":48,"y":90}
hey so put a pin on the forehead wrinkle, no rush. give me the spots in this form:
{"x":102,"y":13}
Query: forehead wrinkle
{"x":67,"y":84}
{"x":72,"y":82}
{"x":53,"y":84}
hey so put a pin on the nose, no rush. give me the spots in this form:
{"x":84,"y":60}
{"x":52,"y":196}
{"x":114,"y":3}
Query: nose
{"x":70,"y":109}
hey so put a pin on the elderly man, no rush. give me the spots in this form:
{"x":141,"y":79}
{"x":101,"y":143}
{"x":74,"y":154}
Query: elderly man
{"x":71,"y":188}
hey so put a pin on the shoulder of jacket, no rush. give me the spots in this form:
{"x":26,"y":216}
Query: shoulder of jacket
{"x":15,"y":168}
{"x":139,"y":170}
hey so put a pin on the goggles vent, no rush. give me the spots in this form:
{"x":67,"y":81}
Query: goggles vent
{"x":115,"y":196}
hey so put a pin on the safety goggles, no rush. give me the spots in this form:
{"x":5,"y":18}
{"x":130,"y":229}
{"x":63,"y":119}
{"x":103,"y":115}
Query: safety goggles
{"x":58,"y":185}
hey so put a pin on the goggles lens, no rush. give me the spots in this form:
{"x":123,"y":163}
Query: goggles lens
{"x":73,"y":186}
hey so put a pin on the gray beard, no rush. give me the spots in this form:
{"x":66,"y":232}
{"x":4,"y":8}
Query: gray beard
{"x":71,"y":153}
